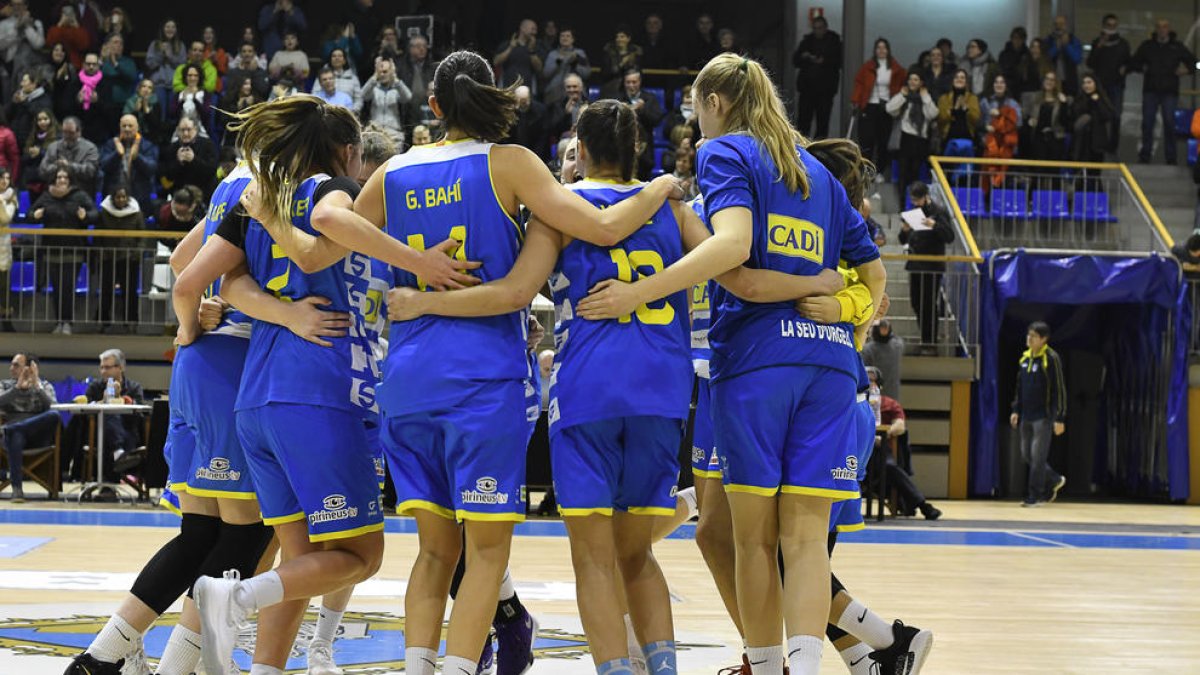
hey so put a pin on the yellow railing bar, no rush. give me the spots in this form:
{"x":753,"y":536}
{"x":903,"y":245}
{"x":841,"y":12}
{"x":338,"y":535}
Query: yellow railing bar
{"x":958,"y":214}
{"x":68,"y":232}
{"x":996,"y":161}
{"x":1141,"y":197}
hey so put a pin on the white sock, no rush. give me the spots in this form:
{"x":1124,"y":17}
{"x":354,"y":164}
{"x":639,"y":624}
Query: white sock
{"x":260,"y":669}
{"x":866,"y":625}
{"x":114,"y":641}
{"x":420,"y":660}
{"x":857,"y":660}
{"x":765,"y":660}
{"x":689,"y":497}
{"x":804,"y":654}
{"x":457,"y":665}
{"x":259,"y":591}
{"x":507,"y":590}
{"x":181,"y":654}
{"x":635,"y":645}
{"x":328,"y":621}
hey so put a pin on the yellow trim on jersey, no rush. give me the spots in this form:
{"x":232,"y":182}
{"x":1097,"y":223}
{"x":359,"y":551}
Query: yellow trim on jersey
{"x":409,"y":505}
{"x":578,"y":513}
{"x":163,"y":502}
{"x":703,"y":473}
{"x":444,"y":142}
{"x":835,"y":495}
{"x":283,"y":520}
{"x":753,"y":490}
{"x":346,"y":534}
{"x":178,"y":488}
{"x":220,"y":494}
{"x":855,"y":527}
{"x":492,"y":182}
{"x":651,"y":511}
{"x":490,"y":517}
{"x":614,"y":181}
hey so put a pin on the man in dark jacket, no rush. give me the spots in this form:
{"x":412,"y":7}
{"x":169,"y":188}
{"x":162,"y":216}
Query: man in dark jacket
{"x":1109,"y":60}
{"x":1039,"y":408}
{"x":925,"y":277}
{"x":818,"y":61}
{"x":191,"y":160}
{"x":25,"y":402}
{"x":649,"y":112}
{"x":121,"y":432}
{"x":246,"y":67}
{"x":130,"y":160}
{"x":1164,"y":60}
{"x":1015,"y":63}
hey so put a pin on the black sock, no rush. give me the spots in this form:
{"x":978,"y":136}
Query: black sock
{"x":508,"y":610}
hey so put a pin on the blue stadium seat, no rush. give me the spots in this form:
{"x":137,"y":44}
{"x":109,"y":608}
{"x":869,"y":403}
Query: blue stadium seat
{"x":661,"y":139}
{"x":593,"y":93}
{"x":970,"y":200}
{"x":660,"y":93}
{"x":554,"y":151}
{"x":1049,"y":204}
{"x":1183,"y":123}
{"x":1009,"y":204}
{"x":24,"y":202}
{"x":907,"y":201}
{"x":1193,"y":146}
{"x":658,"y":157}
{"x":1092,"y":207}
{"x":81,"y":280}
{"x":24,"y":277}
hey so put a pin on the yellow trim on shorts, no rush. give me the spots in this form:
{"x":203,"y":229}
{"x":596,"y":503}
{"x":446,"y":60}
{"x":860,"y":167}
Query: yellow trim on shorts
{"x":462,"y":514}
{"x":703,"y":473}
{"x":752,"y":489}
{"x":407,"y":506}
{"x":855,"y":527}
{"x":166,"y":504}
{"x":346,"y":534}
{"x":220,"y":494}
{"x":283,"y":520}
{"x":178,"y":488}
{"x":651,"y":511}
{"x":835,"y":495}
{"x":577,"y":513}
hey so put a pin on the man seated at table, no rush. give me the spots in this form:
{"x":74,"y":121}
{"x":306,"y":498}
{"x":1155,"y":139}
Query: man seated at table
{"x":25,"y":400}
{"x":891,"y":415}
{"x":122,"y":432}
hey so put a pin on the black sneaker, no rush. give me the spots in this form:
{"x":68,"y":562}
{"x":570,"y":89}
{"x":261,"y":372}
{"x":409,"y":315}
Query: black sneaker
{"x":908,"y":651}
{"x":930,"y":511}
{"x":86,"y":664}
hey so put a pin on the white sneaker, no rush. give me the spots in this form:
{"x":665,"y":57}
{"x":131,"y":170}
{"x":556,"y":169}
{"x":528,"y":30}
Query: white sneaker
{"x":320,"y":658}
{"x":220,"y":618}
{"x":66,"y":329}
{"x":135,"y":660}
{"x":57,"y":329}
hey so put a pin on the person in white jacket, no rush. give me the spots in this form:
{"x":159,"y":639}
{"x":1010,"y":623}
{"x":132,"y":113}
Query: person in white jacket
{"x":916,"y":110}
{"x":21,"y":40}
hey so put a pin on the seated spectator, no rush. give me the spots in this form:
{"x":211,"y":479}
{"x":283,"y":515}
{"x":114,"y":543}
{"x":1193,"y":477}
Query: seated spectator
{"x":619,"y":57}
{"x":144,"y":106}
{"x":192,"y":101}
{"x":238,"y":96}
{"x":121,"y":431}
{"x":980,"y":66}
{"x":91,"y":90}
{"x":191,"y":160}
{"x":250,"y":37}
{"x":885,"y":351}
{"x":29,"y":100}
{"x":529,"y":129}
{"x":43,"y":133}
{"x":276,"y":20}
{"x":727,"y":41}
{"x":1001,"y":118}
{"x":384,"y":97}
{"x":892,"y":416}
{"x":63,"y":81}
{"x":285,"y":86}
{"x":68,"y":32}
{"x":120,"y":78}
{"x":345,"y":79}
{"x":25,"y":400}
{"x":958,"y":111}
{"x":1047,"y":113}
{"x":913,"y":106}
{"x":21,"y":40}
{"x":215,"y":54}
{"x":247,"y":68}
{"x":875,"y":230}
{"x":421,"y":135}
{"x":680,"y":140}
{"x":562,"y":117}
{"x":685,"y":114}
{"x":649,"y":113}
{"x":181,"y":212}
{"x":117,"y":22}
{"x":128,"y":159}
{"x":327,"y":90}
{"x":76,"y":155}
{"x":685,"y":173}
{"x":227,"y":161}
{"x":564,"y":60}
{"x":120,"y":260}
{"x":290,"y":56}
{"x":164,"y":55}
{"x":344,"y":37}
{"x":10,"y":149}
{"x":1187,"y":252}
{"x":1092,"y":114}
{"x":63,"y":205}
{"x":196,"y":59}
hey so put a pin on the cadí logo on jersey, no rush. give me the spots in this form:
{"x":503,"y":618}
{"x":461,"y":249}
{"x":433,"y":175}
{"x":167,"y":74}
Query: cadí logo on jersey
{"x":795,"y":238}
{"x":334,"y":508}
{"x":218,"y":469}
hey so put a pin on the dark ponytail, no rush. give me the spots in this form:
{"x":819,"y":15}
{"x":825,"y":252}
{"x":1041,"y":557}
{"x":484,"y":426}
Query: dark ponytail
{"x":845,"y":161}
{"x":465,"y":90}
{"x":610,"y":130}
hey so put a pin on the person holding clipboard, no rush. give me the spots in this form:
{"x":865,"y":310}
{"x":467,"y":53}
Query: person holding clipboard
{"x":925,"y":233}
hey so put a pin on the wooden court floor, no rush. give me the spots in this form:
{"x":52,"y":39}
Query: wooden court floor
{"x":1068,"y":588}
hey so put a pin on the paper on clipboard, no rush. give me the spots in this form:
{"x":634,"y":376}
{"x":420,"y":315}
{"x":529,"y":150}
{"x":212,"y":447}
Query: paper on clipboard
{"x":915,"y":219}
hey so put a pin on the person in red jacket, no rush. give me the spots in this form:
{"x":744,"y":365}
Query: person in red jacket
{"x":72,"y":35}
{"x":877,"y":81}
{"x":10,"y":149}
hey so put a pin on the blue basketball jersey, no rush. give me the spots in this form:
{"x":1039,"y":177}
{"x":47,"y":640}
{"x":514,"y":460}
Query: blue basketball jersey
{"x":283,"y":368}
{"x":375,"y":310}
{"x":224,"y":199}
{"x":634,"y":365}
{"x":701,"y":312}
{"x":791,"y":234}
{"x":432,"y":193}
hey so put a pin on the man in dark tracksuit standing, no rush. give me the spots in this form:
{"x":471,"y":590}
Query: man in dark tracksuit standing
{"x":1039,"y":408}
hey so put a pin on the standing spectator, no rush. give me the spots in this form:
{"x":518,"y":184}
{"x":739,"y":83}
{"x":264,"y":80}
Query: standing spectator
{"x":277,"y":19}
{"x":980,"y":66}
{"x":1109,"y":61}
{"x":25,"y":401}
{"x":215,"y":54}
{"x":90,"y":90}
{"x":620,"y":56}
{"x":517,"y":58}
{"x":529,"y":130}
{"x":76,"y":155}
{"x":925,"y":277}
{"x":290,"y":56}
{"x":388,"y":44}
{"x":658,"y":52}
{"x":182,"y":211}
{"x":345,"y":79}
{"x":702,"y":45}
{"x":362,"y":14}
{"x":72,"y":35}
{"x":945,"y":46}
{"x":144,"y":106}
{"x":63,"y":82}
{"x":384,"y":98}
{"x":416,"y":71}
{"x":1015,"y":62}
{"x":1047,"y":116}
{"x":88,"y":15}
{"x":239,"y":95}
{"x":885,"y":350}
{"x":342,"y":36}
{"x":164,"y":56}
{"x":421,"y":135}
{"x":876,"y":82}
{"x":43,"y":133}
{"x":1039,"y":409}
{"x":326,"y":90}
{"x":128,"y":159}
{"x":120,"y":260}
{"x":549,"y":38}
{"x":1092,"y":115}
{"x":564,"y":60}
{"x":1040,"y":64}
{"x":562,"y":117}
{"x":21,"y":40}
{"x":193,"y":101}
{"x":63,"y":205}
{"x":10,"y":149}
{"x":1065,"y":52}
{"x":1163,"y":59}
{"x":117,"y":22}
{"x":247,"y":68}
{"x":649,"y":114}
{"x":120,"y":78}
{"x":916,"y":110}
{"x":190,"y":160}
{"x":999,"y":119}
{"x":937,"y":76}
{"x":29,"y":100}
{"x":818,"y":61}
{"x":727,"y":40}
{"x":250,"y":37}
{"x":958,"y":111}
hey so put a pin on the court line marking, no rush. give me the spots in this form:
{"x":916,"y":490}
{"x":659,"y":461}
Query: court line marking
{"x":1043,"y":540}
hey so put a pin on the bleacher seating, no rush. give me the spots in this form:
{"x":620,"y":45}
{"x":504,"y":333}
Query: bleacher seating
{"x":24,"y":277}
{"x":1049,"y":204}
{"x":1092,"y":207}
{"x":1009,"y":204}
{"x":970,"y":201}
{"x":1183,"y":123}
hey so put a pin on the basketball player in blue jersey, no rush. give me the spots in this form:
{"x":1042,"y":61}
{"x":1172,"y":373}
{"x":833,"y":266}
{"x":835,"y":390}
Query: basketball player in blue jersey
{"x":783,"y":387}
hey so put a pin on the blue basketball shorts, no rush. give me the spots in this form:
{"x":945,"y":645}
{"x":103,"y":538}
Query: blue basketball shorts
{"x":375,"y":444}
{"x":704,"y":456}
{"x":465,"y":461}
{"x":785,"y":429}
{"x":180,"y":452}
{"x":312,"y":463}
{"x":625,"y":464}
{"x":865,"y":423}
{"x":204,"y":388}
{"x":846,"y":515}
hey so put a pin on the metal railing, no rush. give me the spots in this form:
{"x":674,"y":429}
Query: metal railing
{"x":935,"y":310}
{"x":1067,"y":205}
{"x":88,"y":281}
